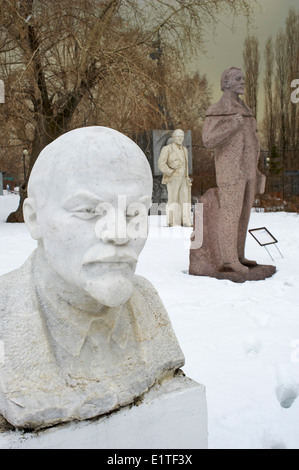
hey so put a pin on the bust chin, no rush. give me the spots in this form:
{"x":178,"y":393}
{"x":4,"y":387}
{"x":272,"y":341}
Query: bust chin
{"x":92,"y":292}
{"x":111,"y":290}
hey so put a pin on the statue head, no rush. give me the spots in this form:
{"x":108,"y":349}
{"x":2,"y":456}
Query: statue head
{"x":178,"y":136}
{"x":233,"y":80}
{"x":88,"y":198}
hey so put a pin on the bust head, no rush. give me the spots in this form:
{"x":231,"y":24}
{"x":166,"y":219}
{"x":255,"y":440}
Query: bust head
{"x":233,"y":81}
{"x":88,"y":198}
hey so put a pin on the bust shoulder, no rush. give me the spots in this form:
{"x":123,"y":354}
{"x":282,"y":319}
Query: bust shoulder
{"x":151,"y":310}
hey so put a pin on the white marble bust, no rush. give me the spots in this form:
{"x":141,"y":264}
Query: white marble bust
{"x":82,"y":334}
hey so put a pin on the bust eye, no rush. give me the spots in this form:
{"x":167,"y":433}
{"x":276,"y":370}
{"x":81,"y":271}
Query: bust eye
{"x":85,"y":213}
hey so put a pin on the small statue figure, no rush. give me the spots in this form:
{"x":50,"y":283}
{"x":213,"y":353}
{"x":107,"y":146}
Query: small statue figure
{"x":173,"y":163}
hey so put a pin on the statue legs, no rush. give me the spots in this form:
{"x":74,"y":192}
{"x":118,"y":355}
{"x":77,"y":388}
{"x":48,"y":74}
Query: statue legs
{"x":249,"y":195}
{"x":236,"y":201}
{"x":178,"y":209}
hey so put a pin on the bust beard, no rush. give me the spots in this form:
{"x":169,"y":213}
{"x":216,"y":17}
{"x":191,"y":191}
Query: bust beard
{"x":96,"y":290}
{"x":110,"y":290}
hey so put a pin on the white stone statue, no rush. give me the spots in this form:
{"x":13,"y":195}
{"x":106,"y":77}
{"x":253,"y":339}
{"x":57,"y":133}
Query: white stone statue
{"x":82,"y":334}
{"x":173,"y":163}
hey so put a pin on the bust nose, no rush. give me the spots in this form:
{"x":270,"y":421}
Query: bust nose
{"x":115,"y":229}
{"x":114,"y":239}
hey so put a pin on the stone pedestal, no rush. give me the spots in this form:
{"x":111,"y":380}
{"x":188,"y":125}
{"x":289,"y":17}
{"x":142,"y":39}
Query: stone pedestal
{"x":206,"y":260}
{"x":170,"y":416}
{"x":259,"y":272}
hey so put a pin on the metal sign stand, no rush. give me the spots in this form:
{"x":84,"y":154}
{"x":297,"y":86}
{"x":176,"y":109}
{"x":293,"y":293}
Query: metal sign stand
{"x":264,"y":238}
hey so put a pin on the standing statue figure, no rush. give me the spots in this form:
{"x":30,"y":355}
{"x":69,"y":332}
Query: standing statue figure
{"x":231,"y":130}
{"x":173,"y":163}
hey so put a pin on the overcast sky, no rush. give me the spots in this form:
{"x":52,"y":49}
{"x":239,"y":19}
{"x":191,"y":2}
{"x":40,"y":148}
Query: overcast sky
{"x":225,"y":48}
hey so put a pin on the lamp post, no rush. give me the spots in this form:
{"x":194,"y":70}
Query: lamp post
{"x":25,"y":153}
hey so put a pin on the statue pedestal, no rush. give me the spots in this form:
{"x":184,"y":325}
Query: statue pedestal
{"x":170,"y":416}
{"x":206,"y":260}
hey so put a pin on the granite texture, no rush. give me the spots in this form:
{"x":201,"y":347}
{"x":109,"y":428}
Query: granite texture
{"x":207,"y":260}
{"x":229,"y":129}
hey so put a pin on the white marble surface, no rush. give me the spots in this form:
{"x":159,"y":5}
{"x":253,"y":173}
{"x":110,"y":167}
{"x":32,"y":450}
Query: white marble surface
{"x":82,"y":334}
{"x":171,"y":416}
{"x":173,"y":163}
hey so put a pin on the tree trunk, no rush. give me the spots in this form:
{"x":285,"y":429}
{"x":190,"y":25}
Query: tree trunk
{"x":41,"y":139}
{"x":17,"y":216}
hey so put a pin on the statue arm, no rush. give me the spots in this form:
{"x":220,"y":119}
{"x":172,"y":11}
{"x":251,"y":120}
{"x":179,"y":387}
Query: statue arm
{"x":162,"y":162}
{"x":187,"y":167}
{"x":217,"y":129}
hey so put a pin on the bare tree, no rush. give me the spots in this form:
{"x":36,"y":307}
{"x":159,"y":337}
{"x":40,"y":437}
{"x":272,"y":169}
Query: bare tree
{"x":269,"y":122}
{"x":282,"y":93}
{"x":188,"y":99}
{"x":292,"y":44}
{"x":88,"y":62}
{"x":251,"y":63}
{"x":281,"y":117}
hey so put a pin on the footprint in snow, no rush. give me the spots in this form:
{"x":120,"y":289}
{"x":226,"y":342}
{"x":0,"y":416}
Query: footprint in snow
{"x":287,"y":394}
{"x":253,"y":346}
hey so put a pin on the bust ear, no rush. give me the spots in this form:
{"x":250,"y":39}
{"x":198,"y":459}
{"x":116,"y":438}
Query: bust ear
{"x":227,"y":84}
{"x":29,"y":211}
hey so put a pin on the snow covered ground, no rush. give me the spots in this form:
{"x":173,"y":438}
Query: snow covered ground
{"x":240,"y":340}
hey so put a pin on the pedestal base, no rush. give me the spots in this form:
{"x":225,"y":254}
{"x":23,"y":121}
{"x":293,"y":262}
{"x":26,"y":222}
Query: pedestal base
{"x":170,"y":416}
{"x":255,"y":273}
{"x":207,"y":260}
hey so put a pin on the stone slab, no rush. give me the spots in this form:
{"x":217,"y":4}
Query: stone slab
{"x":255,"y":273}
{"x":206,"y":260}
{"x":170,"y":416}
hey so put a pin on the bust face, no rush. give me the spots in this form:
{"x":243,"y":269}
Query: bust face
{"x":236,"y":82}
{"x":93,"y":223}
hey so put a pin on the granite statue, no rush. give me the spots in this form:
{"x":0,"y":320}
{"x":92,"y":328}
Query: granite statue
{"x":230,"y":130}
{"x":82,"y":333}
